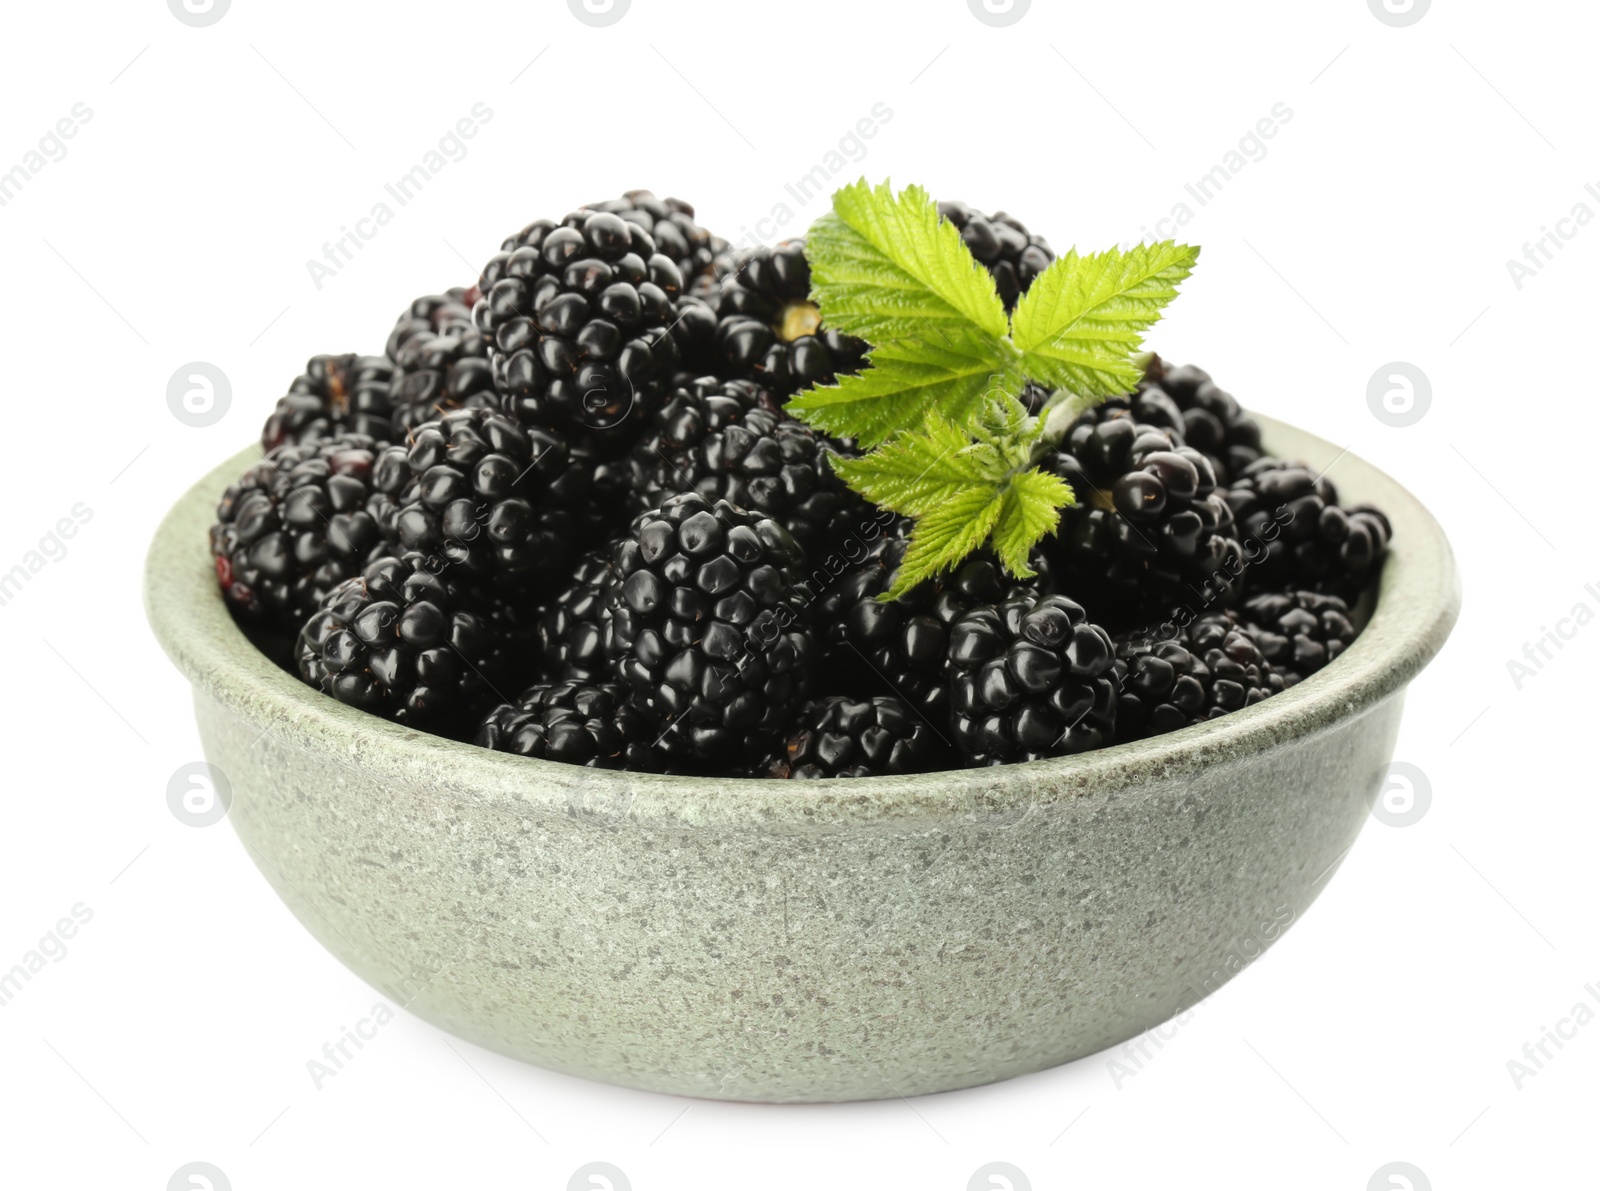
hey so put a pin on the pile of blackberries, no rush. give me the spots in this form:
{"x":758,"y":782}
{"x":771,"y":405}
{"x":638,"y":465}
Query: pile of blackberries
{"x":565,"y":516}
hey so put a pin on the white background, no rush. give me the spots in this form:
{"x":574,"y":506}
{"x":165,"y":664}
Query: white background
{"x":1376,"y":228}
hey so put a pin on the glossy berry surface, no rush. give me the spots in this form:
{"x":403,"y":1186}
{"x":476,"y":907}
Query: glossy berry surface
{"x":1296,"y":533}
{"x":724,"y":440}
{"x":441,"y":361}
{"x":476,"y":491}
{"x":576,"y":316}
{"x":573,"y":722}
{"x":843,"y":737}
{"x":295,"y":525}
{"x":1002,"y":244}
{"x":706,"y":624}
{"x":1211,"y":668}
{"x":901,"y":647}
{"x":1300,"y":632}
{"x":768,"y":329}
{"x":334,"y":395}
{"x":1030,"y":678}
{"x":405,"y":643}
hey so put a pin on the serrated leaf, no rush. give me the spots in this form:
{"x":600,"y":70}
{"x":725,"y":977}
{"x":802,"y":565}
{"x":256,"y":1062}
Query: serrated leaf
{"x":1031,"y":509}
{"x":1083,"y":318}
{"x":917,"y":473}
{"x":904,"y":383}
{"x":886,"y":267}
{"x":943,"y":538}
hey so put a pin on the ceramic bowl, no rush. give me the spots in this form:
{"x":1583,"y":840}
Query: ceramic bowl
{"x":802,"y":941}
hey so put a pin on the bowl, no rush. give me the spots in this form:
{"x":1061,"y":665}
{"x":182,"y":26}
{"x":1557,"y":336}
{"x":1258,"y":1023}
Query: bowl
{"x":802,"y":941}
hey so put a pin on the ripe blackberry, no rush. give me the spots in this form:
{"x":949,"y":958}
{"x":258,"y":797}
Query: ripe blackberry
{"x":441,"y":361}
{"x":724,"y":440}
{"x":476,"y":490}
{"x":1149,"y":530}
{"x":769,"y":330}
{"x":405,"y":643}
{"x":1030,"y":678}
{"x":1213,"y":422}
{"x":671,"y":224}
{"x":571,"y":628}
{"x":1002,"y":244}
{"x":705,"y":623}
{"x":573,"y":722}
{"x":1296,"y":534}
{"x":1213,"y":667}
{"x":576,"y":315}
{"x":902,"y":647}
{"x":843,"y":737}
{"x":1299,"y":632}
{"x":333,"y":396}
{"x":295,"y":525}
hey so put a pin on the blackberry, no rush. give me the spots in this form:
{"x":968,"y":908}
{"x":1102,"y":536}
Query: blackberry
{"x":1213,"y":667}
{"x":576,"y":315}
{"x":705,"y":623}
{"x":1213,"y":422}
{"x":1296,"y":534}
{"x":724,"y":440}
{"x":1030,"y":678}
{"x":1149,"y":530}
{"x":571,"y":628}
{"x":476,"y":490}
{"x":1002,"y":244}
{"x":405,"y":643}
{"x":573,"y":722}
{"x":671,"y":224}
{"x":295,"y":525}
{"x":843,"y":737}
{"x":1299,"y":632}
{"x":333,"y":396}
{"x":903,"y":645}
{"x":769,"y":330}
{"x":441,"y":361}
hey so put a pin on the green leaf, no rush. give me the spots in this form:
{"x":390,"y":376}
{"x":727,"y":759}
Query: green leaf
{"x":944,"y":538}
{"x":1083,"y":318}
{"x":963,"y":491}
{"x":917,"y":473}
{"x":1032,"y":509}
{"x":905,"y":382}
{"x":886,"y":267}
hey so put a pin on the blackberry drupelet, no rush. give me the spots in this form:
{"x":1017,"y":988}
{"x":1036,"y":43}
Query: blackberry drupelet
{"x":1213,"y":422}
{"x":576,"y":315}
{"x":902,"y":647}
{"x":571,"y":627}
{"x":1297,"y":535}
{"x":1299,"y":632}
{"x":477,"y":491}
{"x":769,"y":330}
{"x":405,"y":643}
{"x":843,"y":737}
{"x":1212,"y":667}
{"x":705,"y":623}
{"x":295,"y":525}
{"x":1002,"y":244}
{"x":1030,"y":678}
{"x":1149,"y":531}
{"x":574,"y":722}
{"x":726,"y":441}
{"x":333,"y":396}
{"x":441,"y":361}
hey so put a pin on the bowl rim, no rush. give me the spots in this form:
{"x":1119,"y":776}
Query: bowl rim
{"x":1418,"y":601}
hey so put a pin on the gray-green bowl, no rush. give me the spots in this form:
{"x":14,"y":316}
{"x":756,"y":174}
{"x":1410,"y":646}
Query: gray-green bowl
{"x":802,"y":941}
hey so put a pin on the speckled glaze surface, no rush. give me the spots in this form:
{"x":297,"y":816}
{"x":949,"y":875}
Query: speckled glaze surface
{"x":802,"y":941}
